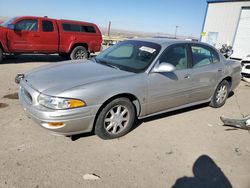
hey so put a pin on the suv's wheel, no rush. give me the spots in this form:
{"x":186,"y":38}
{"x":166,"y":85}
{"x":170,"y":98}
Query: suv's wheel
{"x":79,"y":52}
{"x":1,"y":54}
{"x":220,"y":95}
{"x":115,"y":119}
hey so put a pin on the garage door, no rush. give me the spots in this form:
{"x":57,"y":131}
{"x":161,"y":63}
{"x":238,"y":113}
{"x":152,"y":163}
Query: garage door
{"x":241,"y":45}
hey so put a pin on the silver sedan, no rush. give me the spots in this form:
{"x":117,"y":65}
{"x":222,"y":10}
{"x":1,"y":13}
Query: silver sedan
{"x":132,"y":79}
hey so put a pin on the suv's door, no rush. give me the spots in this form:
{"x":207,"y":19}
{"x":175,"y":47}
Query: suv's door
{"x":206,"y":71}
{"x":170,"y":89}
{"x":48,"y":36}
{"x":23,"y":37}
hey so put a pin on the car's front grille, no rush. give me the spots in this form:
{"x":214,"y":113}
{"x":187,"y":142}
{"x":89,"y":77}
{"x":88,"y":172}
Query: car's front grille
{"x":245,"y":75}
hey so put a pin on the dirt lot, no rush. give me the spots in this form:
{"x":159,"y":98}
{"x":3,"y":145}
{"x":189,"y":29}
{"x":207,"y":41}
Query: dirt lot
{"x":187,"y":148}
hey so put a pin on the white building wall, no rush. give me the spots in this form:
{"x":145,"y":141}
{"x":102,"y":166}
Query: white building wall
{"x":223,"y":18}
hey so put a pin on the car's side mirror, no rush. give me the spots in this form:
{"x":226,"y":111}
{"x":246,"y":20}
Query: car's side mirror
{"x":11,"y":26}
{"x":164,"y":67}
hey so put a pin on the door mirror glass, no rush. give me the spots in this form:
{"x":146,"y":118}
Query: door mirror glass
{"x":11,"y":26}
{"x":164,"y":67}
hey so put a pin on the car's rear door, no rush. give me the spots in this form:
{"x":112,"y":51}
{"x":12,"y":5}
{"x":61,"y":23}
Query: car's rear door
{"x":206,"y":71}
{"x":170,"y":89}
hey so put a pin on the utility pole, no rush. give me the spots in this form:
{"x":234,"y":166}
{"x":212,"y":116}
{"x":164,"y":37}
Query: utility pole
{"x":176,"y":29}
{"x":109,"y":28}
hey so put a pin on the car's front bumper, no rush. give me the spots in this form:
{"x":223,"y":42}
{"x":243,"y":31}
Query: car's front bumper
{"x":75,"y":121}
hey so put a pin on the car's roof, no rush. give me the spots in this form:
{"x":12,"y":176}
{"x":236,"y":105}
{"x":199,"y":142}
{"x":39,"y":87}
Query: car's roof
{"x":62,"y":20}
{"x":164,"y":41}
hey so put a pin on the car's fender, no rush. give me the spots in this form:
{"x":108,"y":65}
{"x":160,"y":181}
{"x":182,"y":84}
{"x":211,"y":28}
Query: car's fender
{"x":113,"y":88}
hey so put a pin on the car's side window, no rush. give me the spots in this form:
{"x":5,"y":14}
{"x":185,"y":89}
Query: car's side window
{"x":215,"y":56}
{"x":177,"y":56}
{"x":27,"y":25}
{"x":47,"y":26}
{"x":203,"y":56}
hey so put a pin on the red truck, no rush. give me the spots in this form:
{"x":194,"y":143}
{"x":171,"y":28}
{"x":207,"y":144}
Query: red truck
{"x":29,"y":34}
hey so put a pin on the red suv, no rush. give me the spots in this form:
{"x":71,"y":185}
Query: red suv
{"x":31,"y":34}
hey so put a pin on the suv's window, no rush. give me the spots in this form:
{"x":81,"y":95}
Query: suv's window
{"x":47,"y":26}
{"x":88,"y":29}
{"x":177,"y":56}
{"x":78,"y":28}
{"x":203,"y":56}
{"x":27,"y":25}
{"x":71,"y":27}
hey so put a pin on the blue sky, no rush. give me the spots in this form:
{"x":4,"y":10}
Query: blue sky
{"x":135,"y":15}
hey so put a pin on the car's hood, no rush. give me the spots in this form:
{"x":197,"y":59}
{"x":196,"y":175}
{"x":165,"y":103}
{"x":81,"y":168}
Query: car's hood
{"x":57,"y":78}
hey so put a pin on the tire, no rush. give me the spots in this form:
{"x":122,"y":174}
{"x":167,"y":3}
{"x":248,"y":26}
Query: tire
{"x":220,"y":95}
{"x":115,"y":119}
{"x":79,"y":52}
{"x":1,"y":55}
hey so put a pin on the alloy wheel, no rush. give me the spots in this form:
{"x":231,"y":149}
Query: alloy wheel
{"x":116,"y":119}
{"x":221,"y":94}
{"x":81,"y":54}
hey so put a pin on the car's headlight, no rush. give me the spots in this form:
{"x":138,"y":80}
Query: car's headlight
{"x":59,"y":103}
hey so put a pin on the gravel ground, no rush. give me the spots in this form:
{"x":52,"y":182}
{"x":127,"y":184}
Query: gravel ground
{"x":187,"y":148}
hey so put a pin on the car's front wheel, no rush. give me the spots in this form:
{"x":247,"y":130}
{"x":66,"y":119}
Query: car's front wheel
{"x":115,"y":119}
{"x":220,"y":95}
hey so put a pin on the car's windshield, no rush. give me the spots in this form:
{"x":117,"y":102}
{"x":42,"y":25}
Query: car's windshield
{"x":7,"y":22}
{"x":130,"y":55}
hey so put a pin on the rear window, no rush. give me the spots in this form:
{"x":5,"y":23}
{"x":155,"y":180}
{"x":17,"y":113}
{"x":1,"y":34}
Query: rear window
{"x":78,"y":28}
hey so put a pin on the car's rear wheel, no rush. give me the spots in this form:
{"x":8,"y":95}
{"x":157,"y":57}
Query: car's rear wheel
{"x":79,"y":52}
{"x":115,"y":119}
{"x":220,"y":95}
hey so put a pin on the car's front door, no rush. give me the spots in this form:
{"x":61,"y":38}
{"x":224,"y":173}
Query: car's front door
{"x":24,"y":37}
{"x":170,"y":89}
{"x":206,"y":71}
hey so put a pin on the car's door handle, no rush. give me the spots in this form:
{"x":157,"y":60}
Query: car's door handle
{"x":220,"y":70}
{"x":187,"y":76}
